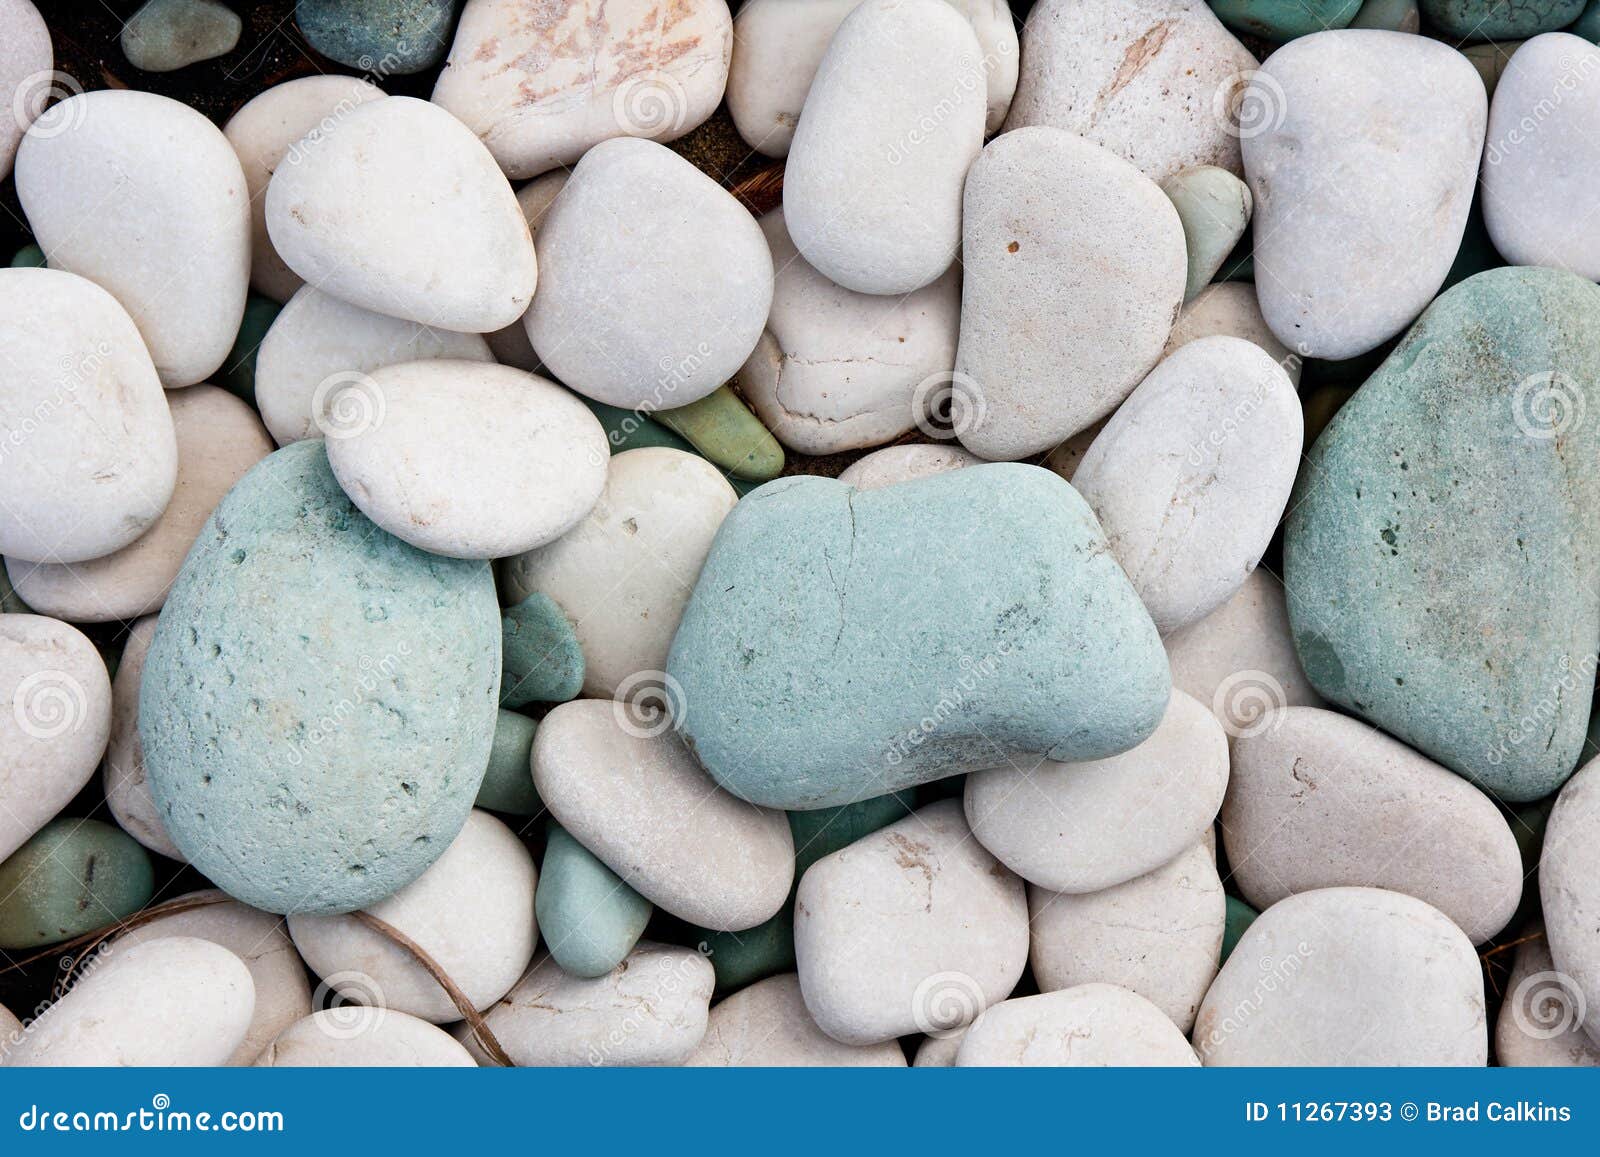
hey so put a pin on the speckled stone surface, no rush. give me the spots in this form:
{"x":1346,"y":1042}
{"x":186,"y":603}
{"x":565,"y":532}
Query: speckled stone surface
{"x":383,"y":36}
{"x":543,"y":660}
{"x":1500,"y":19}
{"x":1285,"y":19}
{"x":1442,"y":550}
{"x":590,"y":919}
{"x":318,"y":702}
{"x":72,"y":877}
{"x":823,"y":633}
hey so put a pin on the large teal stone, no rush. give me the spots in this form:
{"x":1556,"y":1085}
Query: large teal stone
{"x":842,"y":644}
{"x":588,"y":917}
{"x":1500,"y":19}
{"x":318,"y":702}
{"x":384,"y":37}
{"x":1441,"y":549}
{"x":1285,"y":19}
{"x":72,"y":876}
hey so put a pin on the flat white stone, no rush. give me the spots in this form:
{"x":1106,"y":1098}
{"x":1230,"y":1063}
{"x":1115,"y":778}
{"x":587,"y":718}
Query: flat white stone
{"x":145,"y":197}
{"x":914,"y":928}
{"x":1362,"y":160}
{"x":127,"y":784}
{"x":1073,"y":270}
{"x":895,"y":464}
{"x":1084,"y":827}
{"x":1541,"y":1020}
{"x":25,"y":81}
{"x":356,"y":1036}
{"x":1230,"y":308}
{"x":872,"y":188}
{"x":401,"y":210}
{"x":767,"y":1026}
{"x":510,"y":345}
{"x":1089,"y":1026}
{"x":541,"y":86}
{"x":1569,"y":889}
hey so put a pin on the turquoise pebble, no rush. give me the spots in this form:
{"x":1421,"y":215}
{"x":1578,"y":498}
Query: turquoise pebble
{"x":1285,"y":19}
{"x":824,"y":831}
{"x":238,"y":372}
{"x":542,"y":657}
{"x":72,"y":876}
{"x":741,"y":958}
{"x":28,"y":257}
{"x":589,"y":919}
{"x":385,"y":37}
{"x":508,"y":784}
{"x":165,"y":35}
{"x":1500,"y":19}
{"x":1238,"y":918}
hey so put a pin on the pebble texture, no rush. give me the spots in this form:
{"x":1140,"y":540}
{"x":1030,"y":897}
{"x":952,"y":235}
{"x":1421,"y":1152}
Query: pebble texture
{"x":1089,"y":1026}
{"x":1569,"y":889}
{"x":1230,"y":308}
{"x":166,"y":35}
{"x":767,"y":1026}
{"x":591,"y":919}
{"x":543,"y":658}
{"x":383,"y":36}
{"x":895,"y":464}
{"x":1285,"y":19}
{"x":1214,"y":206}
{"x":508,"y":783}
{"x":1500,"y":19}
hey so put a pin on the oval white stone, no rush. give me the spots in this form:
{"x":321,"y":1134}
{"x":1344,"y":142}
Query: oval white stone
{"x":1569,"y":888}
{"x":355,"y":1036}
{"x":767,"y":1026}
{"x":1092,"y":1025}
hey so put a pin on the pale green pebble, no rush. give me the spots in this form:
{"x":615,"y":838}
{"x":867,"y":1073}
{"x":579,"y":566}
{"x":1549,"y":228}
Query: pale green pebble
{"x":508,"y":784}
{"x":238,"y":372}
{"x":726,"y":433}
{"x":589,"y":919}
{"x":1390,"y":15}
{"x":28,"y":257}
{"x":166,"y":35}
{"x":1214,"y":207}
{"x":631,"y":430}
{"x":73,"y":876}
{"x":385,"y":37}
{"x":1236,"y":921}
{"x":542,"y":659}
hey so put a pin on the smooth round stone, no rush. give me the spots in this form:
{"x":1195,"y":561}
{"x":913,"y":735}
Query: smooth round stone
{"x":1319,"y":800}
{"x":447,"y":436}
{"x":401,"y":210}
{"x":174,"y":1002}
{"x":283,"y":995}
{"x":1496,"y":20}
{"x":1569,"y":889}
{"x":127,"y":783}
{"x":838,"y":370}
{"x":1356,"y":228}
{"x":1084,"y":827}
{"x":543,"y":658}
{"x":1191,"y":475}
{"x":1239,"y":918}
{"x":591,"y":919}
{"x":59,"y":697}
{"x":782,"y":42}
{"x":508,"y":784}
{"x":872,"y":188}
{"x":511,"y":345}
{"x":26,"y":57}
{"x":628,"y":789}
{"x":814,"y":577}
{"x":472,"y":911}
{"x":1151,"y":80}
{"x":322,"y":768}
{"x":724,"y":431}
{"x":1537,"y":185}
{"x":1088,"y":1026}
{"x":166,"y":35}
{"x":1394,"y":15}
{"x":381,"y":36}
{"x":282,"y":125}
{"x":1214,"y":207}
{"x":1347,"y":977}
{"x":914,"y":928}
{"x":1074,"y":268}
{"x":540,"y":90}
{"x":1230,"y":308}
{"x":659,"y":313}
{"x":1285,"y":19}
{"x":72,"y":876}
{"x":1159,"y":935}
{"x":623,"y":575}
{"x":1240,"y":659}
{"x":767,"y":1026}
{"x":90,"y":459}
{"x":319,"y":345}
{"x":649,"y":1010}
{"x":1541,"y":1022}
{"x":145,"y":197}
{"x":356,"y":1036}
{"x":895,"y":464}
{"x":219,"y":438}
{"x":238,"y":372}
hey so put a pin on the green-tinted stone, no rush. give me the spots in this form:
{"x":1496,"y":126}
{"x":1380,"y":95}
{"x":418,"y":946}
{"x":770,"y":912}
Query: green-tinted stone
{"x":824,"y":831}
{"x":238,"y":372}
{"x":543,"y":662}
{"x":1285,"y":19}
{"x":1443,"y":545}
{"x":1214,"y":208}
{"x":727,"y":434}
{"x":588,"y":918}
{"x":508,"y":784}
{"x":1500,"y":19}
{"x":1239,"y":917}
{"x":384,"y":37}
{"x":168,"y":34}
{"x":28,"y":257}
{"x":630,"y":430}
{"x":1390,"y":15}
{"x":1588,"y":25}
{"x":73,"y":876}
{"x":741,"y":958}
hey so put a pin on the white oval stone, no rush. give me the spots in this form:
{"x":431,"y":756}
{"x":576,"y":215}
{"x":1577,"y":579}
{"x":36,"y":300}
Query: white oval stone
{"x":55,"y":717}
{"x":1541,"y":1022}
{"x":654,"y":281}
{"x":1192,"y":473}
{"x":318,"y":345}
{"x":472,"y":911}
{"x":1073,"y":270}
{"x":510,"y":345}
{"x":1347,"y":977}
{"x":872,"y":189}
{"x":173,"y":1002}
{"x":1363,"y":164}
{"x":1569,"y":888}
{"x":283,"y":995}
{"x":145,"y":197}
{"x":1159,"y":935}
{"x":914,"y":928}
{"x":471,"y":460}
{"x":624,"y":574}
{"x":838,"y":370}
{"x":1230,"y":308}
{"x":767,"y":1026}
{"x":127,"y":784}
{"x":626,"y":788}
{"x":88,"y":458}
{"x":284,"y":123}
{"x":1151,"y":80}
{"x":218,"y":437}
{"x":355,"y":1036}
{"x":1090,"y":1026}
{"x":1318,"y":800}
{"x":25,"y":59}
{"x":400,"y":210}
{"x":1083,"y":827}
{"x":895,"y":464}
{"x":542,"y":86}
